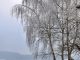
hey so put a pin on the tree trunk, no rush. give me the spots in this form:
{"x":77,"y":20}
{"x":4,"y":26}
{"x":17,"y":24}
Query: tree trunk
{"x":62,"y":56}
{"x":68,"y":48}
{"x":52,"y":51}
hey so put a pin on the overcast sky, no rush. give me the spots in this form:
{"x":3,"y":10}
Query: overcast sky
{"x":12,"y":37}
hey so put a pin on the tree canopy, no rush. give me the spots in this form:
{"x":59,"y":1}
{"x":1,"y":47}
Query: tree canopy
{"x":51,"y":26}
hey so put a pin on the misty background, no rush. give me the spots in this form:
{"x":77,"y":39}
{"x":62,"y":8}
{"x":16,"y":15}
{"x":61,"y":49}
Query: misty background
{"x":12,"y":36}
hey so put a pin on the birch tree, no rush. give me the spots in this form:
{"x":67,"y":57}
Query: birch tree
{"x":51,"y":26}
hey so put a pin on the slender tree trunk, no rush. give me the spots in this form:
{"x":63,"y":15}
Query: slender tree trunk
{"x":52,"y":51}
{"x":62,"y":56}
{"x":62,"y":31}
{"x":69,"y":58}
{"x":50,"y":42}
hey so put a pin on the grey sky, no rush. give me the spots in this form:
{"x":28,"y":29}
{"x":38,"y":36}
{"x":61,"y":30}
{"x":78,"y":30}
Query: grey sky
{"x":12,"y":37}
